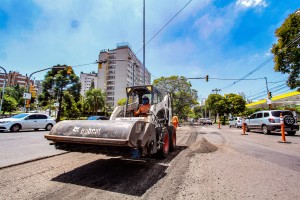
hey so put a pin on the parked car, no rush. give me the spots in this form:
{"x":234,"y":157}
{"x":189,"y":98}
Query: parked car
{"x":205,"y":121}
{"x":98,"y":118}
{"x":27,"y":121}
{"x":237,"y":122}
{"x":269,"y":120}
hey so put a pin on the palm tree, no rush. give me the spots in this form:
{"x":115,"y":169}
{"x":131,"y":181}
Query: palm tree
{"x":95,"y":99}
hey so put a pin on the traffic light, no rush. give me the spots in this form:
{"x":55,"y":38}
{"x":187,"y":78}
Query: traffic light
{"x":206,"y":78}
{"x":99,"y":65}
{"x":69,"y":70}
{"x":31,"y":88}
{"x":27,"y":103}
{"x":269,"y":95}
{"x":32,"y":91}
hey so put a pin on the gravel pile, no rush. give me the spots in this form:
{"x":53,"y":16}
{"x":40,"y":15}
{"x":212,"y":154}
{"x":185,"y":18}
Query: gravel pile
{"x":202,"y":146}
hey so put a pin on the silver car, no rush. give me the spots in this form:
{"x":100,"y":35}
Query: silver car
{"x":27,"y":121}
{"x":237,"y":122}
{"x":269,"y":120}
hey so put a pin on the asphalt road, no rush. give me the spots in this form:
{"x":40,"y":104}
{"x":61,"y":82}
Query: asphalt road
{"x":24,"y":146}
{"x":209,"y":163}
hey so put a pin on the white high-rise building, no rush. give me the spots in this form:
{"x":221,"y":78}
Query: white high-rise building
{"x":86,"y":80}
{"x":121,"y":70}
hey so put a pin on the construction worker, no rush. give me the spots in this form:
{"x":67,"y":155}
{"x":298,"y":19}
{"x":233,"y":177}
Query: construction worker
{"x":144,"y":107}
{"x":175,"y":121}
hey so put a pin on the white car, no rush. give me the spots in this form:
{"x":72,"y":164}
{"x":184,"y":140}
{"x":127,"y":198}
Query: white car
{"x":237,"y":122}
{"x":27,"y":121}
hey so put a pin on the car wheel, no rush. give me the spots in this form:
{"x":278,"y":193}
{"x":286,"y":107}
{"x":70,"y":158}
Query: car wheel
{"x":15,"y":128}
{"x":229,"y":126}
{"x":265,"y":129}
{"x":291,"y":132}
{"x":48,"y":127}
{"x":247,"y":128}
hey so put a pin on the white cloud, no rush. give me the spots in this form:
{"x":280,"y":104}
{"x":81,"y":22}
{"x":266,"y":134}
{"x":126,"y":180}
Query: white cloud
{"x":252,"y":3}
{"x":218,"y":23}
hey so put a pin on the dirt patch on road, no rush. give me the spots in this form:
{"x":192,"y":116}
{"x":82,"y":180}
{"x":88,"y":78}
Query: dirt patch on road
{"x":202,"y":146}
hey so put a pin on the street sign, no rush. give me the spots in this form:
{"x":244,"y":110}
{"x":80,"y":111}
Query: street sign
{"x":56,"y":104}
{"x":269,"y":101}
{"x":27,"y":96}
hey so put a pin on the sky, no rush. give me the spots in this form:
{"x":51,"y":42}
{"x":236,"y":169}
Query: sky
{"x":224,"y":39}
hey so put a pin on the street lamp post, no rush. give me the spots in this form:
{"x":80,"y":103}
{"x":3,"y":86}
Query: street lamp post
{"x":3,"y":90}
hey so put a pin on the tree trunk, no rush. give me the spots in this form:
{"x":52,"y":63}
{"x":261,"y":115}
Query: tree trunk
{"x":59,"y":107}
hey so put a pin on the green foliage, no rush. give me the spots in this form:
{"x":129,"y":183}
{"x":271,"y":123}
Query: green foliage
{"x":58,"y":82}
{"x":16,"y":92}
{"x":182,"y":95}
{"x":198,"y":110}
{"x":9,"y":104}
{"x":287,"y":52}
{"x":236,"y":104}
{"x":233,"y":104}
{"x":95,"y":100}
{"x":122,"y":102}
{"x":215,"y":103}
{"x":192,"y":114}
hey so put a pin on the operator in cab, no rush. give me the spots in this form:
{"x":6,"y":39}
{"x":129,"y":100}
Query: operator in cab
{"x":144,"y":107}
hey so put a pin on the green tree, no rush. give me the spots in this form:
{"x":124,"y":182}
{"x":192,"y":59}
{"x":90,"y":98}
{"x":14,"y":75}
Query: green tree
{"x":182,"y":95}
{"x":122,"y":102}
{"x":198,"y":110}
{"x":286,"y":51}
{"x":56,"y":82}
{"x":95,"y":100}
{"x":16,"y":92}
{"x":69,"y":106}
{"x":235,"y":104}
{"x":9,"y":104}
{"x":216,"y":104}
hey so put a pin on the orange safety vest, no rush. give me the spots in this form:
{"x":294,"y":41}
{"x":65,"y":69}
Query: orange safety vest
{"x":175,"y":121}
{"x":144,"y":109}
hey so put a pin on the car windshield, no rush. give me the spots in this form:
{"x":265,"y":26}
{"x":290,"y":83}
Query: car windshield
{"x":277,"y":113}
{"x":20,"y":116}
{"x":93,"y":118}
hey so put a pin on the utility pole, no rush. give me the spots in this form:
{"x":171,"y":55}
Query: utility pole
{"x":144,"y":49}
{"x":3,"y":89}
{"x":216,"y":90}
{"x":267,"y":85}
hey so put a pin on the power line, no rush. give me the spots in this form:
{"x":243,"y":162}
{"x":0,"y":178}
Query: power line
{"x":84,"y":64}
{"x":264,"y":63}
{"x":256,"y":93}
{"x":162,"y":29}
{"x":165,"y":25}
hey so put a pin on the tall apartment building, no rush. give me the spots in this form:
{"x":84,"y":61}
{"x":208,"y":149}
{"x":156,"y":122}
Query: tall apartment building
{"x":14,"y":78}
{"x":86,"y":80}
{"x":39,"y":86}
{"x":121,"y":70}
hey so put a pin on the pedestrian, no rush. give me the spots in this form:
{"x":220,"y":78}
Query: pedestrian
{"x":175,"y":121}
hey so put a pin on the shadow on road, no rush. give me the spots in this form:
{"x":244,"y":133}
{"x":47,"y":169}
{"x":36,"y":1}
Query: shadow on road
{"x":131,"y":177}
